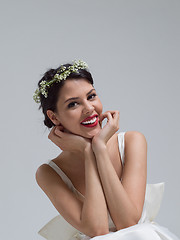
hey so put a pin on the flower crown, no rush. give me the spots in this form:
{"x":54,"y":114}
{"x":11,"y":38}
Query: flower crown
{"x":61,"y":74}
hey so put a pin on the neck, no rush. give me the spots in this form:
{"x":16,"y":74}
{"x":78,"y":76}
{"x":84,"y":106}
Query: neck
{"x":73,"y":158}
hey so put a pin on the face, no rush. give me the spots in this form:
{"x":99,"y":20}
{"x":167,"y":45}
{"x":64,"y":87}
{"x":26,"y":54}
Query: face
{"x":79,"y":108}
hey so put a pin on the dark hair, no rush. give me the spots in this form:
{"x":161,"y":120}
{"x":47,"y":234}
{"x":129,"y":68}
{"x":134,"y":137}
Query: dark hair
{"x":50,"y":103}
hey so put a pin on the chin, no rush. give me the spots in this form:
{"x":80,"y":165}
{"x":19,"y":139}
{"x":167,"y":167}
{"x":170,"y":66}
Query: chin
{"x":91,"y":134}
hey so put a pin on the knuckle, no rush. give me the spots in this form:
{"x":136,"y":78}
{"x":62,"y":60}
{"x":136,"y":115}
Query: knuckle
{"x":115,"y":127}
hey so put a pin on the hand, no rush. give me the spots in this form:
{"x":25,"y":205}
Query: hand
{"x":67,"y":141}
{"x":111,"y":127}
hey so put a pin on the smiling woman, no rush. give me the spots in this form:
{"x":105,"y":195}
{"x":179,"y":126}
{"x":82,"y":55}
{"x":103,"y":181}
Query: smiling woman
{"x":98,"y":182}
{"x":86,"y":105}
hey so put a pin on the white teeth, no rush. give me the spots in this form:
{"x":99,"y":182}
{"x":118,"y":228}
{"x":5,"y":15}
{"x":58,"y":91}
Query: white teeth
{"x":90,"y":121}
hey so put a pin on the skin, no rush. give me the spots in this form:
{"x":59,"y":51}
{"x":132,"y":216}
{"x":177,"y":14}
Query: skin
{"x":96,"y":149}
{"x":68,"y":119}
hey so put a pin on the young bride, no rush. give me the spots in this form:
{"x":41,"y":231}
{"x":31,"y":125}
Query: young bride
{"x":98,"y":182}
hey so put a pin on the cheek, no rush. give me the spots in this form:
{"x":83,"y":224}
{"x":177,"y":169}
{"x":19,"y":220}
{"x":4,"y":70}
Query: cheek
{"x":99,"y":107}
{"x":69,"y":118}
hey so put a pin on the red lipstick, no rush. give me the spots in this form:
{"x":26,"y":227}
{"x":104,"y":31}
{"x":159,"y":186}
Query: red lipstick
{"x":90,"y":125}
{"x":89,"y":118}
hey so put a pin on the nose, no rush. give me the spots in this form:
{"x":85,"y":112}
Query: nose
{"x":88,"y":108}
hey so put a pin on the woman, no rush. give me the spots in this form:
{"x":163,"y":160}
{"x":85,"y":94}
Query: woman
{"x":106,"y":189}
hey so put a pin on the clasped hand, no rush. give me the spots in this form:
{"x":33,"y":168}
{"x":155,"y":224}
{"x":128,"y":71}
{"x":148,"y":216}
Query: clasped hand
{"x":110,"y":128}
{"x":74,"y":143}
{"x":68,"y":141}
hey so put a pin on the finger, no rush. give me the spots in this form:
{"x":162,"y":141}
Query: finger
{"x":53,"y":137}
{"x":113,"y":119}
{"x":116,"y":115}
{"x":116,"y":120}
{"x":113,"y":112}
{"x":60,"y":128}
{"x":110,"y":111}
{"x":51,"y":132}
{"x":107,"y":115}
{"x":59,"y":131}
{"x":101,"y":117}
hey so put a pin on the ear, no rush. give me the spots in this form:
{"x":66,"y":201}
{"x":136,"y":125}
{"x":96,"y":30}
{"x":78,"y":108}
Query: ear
{"x":52,"y":116}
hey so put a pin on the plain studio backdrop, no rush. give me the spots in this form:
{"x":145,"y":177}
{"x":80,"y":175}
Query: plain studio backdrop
{"x":132,"y":49}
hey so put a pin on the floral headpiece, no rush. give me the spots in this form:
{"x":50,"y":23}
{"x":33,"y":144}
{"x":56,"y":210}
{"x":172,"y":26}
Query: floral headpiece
{"x":61,"y":74}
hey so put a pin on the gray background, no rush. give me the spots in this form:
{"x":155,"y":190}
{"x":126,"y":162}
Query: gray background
{"x":132,"y":49}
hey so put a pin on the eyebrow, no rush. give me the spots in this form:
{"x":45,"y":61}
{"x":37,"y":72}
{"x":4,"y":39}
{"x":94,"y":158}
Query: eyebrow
{"x":75,"y":98}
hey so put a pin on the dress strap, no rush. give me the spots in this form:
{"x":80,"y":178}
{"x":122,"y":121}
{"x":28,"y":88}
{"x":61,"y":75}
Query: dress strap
{"x":121,"y":142}
{"x":60,"y":173}
{"x":64,"y":177}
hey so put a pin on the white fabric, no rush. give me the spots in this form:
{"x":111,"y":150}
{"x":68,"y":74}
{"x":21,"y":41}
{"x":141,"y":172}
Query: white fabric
{"x":146,"y":229}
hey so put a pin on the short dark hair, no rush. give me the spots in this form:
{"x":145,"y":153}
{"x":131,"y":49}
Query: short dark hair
{"x":50,"y":103}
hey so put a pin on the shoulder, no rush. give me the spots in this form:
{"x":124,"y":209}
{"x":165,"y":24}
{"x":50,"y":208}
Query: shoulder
{"x":49,"y":181}
{"x":134,"y":136}
{"x":135,"y":143}
{"x":45,"y":172}
{"x":42,"y":168}
{"x":42,"y":172}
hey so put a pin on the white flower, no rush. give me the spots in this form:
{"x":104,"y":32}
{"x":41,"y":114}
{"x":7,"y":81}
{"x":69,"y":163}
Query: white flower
{"x":58,"y":77}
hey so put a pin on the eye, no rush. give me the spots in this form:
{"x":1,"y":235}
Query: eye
{"x":72,"y":104}
{"x":92,"y":96}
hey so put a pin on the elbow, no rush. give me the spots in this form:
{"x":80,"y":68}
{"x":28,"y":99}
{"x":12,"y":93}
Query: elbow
{"x":130,"y":222}
{"x":94,"y":231}
{"x":125,"y":225}
{"x":99,"y":232}
{"x":137,"y":216}
{"x":133,"y":221}
{"x":134,"y":218}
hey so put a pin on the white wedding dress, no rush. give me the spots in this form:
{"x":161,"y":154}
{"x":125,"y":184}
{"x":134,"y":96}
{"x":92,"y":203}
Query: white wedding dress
{"x":146,"y":229}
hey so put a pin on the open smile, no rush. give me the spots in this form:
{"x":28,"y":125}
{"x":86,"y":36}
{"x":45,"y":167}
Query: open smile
{"x":90,"y":121}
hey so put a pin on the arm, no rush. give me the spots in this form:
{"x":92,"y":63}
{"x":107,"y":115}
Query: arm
{"x":125,"y":200}
{"x":89,"y":217}
{"x":94,"y":212}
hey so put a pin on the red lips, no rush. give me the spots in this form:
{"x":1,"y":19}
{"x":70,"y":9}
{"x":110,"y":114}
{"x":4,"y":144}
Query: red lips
{"x":89,"y":118}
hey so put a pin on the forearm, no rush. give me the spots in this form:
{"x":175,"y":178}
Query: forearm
{"x":94,"y":212}
{"x":121,"y":208}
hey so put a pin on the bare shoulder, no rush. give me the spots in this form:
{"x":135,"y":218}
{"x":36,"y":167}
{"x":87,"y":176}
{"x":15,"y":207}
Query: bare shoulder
{"x":134,"y":137}
{"x":41,"y":172}
{"x":45,"y":169}
{"x":45,"y":175}
{"x":42,"y":168}
{"x":135,"y":145}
